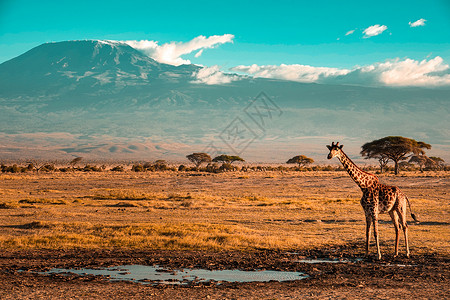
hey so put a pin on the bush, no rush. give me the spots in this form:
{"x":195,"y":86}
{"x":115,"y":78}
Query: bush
{"x":226,"y":167}
{"x":89,"y":168}
{"x":138,"y":168}
{"x":13,"y":169}
{"x":118,"y":169}
{"x":47,"y":168}
{"x":212,"y":168}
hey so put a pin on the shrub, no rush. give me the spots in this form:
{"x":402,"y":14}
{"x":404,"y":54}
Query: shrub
{"x":138,"y":168}
{"x":118,"y":169}
{"x":226,"y":167}
{"x":89,"y":168}
{"x":13,"y":169}
{"x":47,"y":168}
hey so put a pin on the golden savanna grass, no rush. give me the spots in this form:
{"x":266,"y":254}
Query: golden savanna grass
{"x":230,"y":211}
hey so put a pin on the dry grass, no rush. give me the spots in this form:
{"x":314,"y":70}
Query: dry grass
{"x":235,"y":211}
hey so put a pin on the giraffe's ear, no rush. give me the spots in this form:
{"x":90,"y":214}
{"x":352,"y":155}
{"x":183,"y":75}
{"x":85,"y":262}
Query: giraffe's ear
{"x":329,"y":147}
{"x":340,"y":147}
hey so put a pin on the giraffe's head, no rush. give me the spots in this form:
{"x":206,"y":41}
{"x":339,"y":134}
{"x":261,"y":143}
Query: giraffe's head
{"x":335,"y":150}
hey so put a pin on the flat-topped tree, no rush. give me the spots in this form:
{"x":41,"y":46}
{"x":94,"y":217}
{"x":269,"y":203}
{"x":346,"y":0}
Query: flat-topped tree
{"x":301,"y":160}
{"x":199,"y":158}
{"x":422,"y":161}
{"x":75,"y":161}
{"x":395,"y":148}
{"x":227,"y":158}
{"x":436,"y":162}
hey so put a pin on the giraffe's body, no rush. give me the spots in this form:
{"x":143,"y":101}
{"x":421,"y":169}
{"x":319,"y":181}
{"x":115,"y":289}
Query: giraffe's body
{"x":377,"y":198}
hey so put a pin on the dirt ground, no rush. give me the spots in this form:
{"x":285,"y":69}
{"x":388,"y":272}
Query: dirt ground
{"x":420,"y":277}
{"x":270,"y":222}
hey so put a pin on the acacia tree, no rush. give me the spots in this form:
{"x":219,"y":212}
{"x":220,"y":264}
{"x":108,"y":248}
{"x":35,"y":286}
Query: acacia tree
{"x":227,"y":158}
{"x":395,"y":148}
{"x":74,"y":161}
{"x":421,"y":160}
{"x":301,"y":160}
{"x":437,"y":162}
{"x":199,"y":158}
{"x":382,"y":160}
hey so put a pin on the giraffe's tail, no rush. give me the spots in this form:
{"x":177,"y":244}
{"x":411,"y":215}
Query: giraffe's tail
{"x":412,"y":214}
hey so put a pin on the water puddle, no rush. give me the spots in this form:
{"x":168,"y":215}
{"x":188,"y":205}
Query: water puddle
{"x":329,"y":260}
{"x":158,"y":275}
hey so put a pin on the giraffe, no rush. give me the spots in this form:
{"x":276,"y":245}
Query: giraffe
{"x":377,"y":198}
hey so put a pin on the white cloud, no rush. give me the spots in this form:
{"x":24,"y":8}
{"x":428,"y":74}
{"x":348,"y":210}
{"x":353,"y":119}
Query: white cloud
{"x":420,"y":22}
{"x":374,"y":30}
{"x":350,"y":32}
{"x":411,"y":72}
{"x":407,"y":72}
{"x":213,"y":75}
{"x":301,"y":73}
{"x":170,"y":53}
{"x":199,"y":53}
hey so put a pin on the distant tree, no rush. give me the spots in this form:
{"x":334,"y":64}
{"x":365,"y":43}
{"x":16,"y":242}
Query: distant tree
{"x":199,"y":158}
{"x":404,"y":165}
{"x":382,"y":160}
{"x":301,"y":160}
{"x":395,"y":148}
{"x":421,"y":160}
{"x":437,"y":162}
{"x":74,"y":161}
{"x":227,"y":158}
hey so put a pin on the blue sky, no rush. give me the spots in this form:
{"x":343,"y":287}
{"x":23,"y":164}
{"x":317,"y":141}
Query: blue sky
{"x":311,"y":33}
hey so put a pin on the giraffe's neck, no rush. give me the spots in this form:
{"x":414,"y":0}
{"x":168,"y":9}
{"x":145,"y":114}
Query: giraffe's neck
{"x":363,"y":179}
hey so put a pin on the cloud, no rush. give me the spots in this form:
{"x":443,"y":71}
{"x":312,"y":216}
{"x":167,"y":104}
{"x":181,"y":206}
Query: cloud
{"x":170,"y":53}
{"x":213,"y":75}
{"x":407,"y":72}
{"x":420,"y":22}
{"x":350,"y":32}
{"x":301,"y":73}
{"x":374,"y":30}
{"x":199,"y":53}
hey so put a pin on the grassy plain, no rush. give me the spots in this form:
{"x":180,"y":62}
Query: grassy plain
{"x":198,"y":211}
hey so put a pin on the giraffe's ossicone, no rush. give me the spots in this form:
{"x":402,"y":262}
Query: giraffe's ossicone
{"x":377,"y":198}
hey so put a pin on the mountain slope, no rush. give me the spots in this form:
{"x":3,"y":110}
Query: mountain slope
{"x":101,"y":96}
{"x":83,"y":66}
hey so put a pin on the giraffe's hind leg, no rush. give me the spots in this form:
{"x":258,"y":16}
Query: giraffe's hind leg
{"x":375,"y":233}
{"x":394,"y":218}
{"x":368,"y":224}
{"x":401,"y":211}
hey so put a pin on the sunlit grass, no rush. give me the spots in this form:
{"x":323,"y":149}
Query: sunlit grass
{"x":286,"y":211}
{"x":189,"y":236}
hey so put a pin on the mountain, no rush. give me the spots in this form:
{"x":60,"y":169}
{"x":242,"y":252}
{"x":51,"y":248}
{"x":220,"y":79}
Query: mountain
{"x":107,"y":100}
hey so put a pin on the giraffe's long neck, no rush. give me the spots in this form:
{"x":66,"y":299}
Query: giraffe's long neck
{"x":362,"y":179}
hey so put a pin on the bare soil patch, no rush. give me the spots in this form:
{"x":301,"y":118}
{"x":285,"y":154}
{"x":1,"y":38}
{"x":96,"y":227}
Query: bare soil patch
{"x":424,"y":276}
